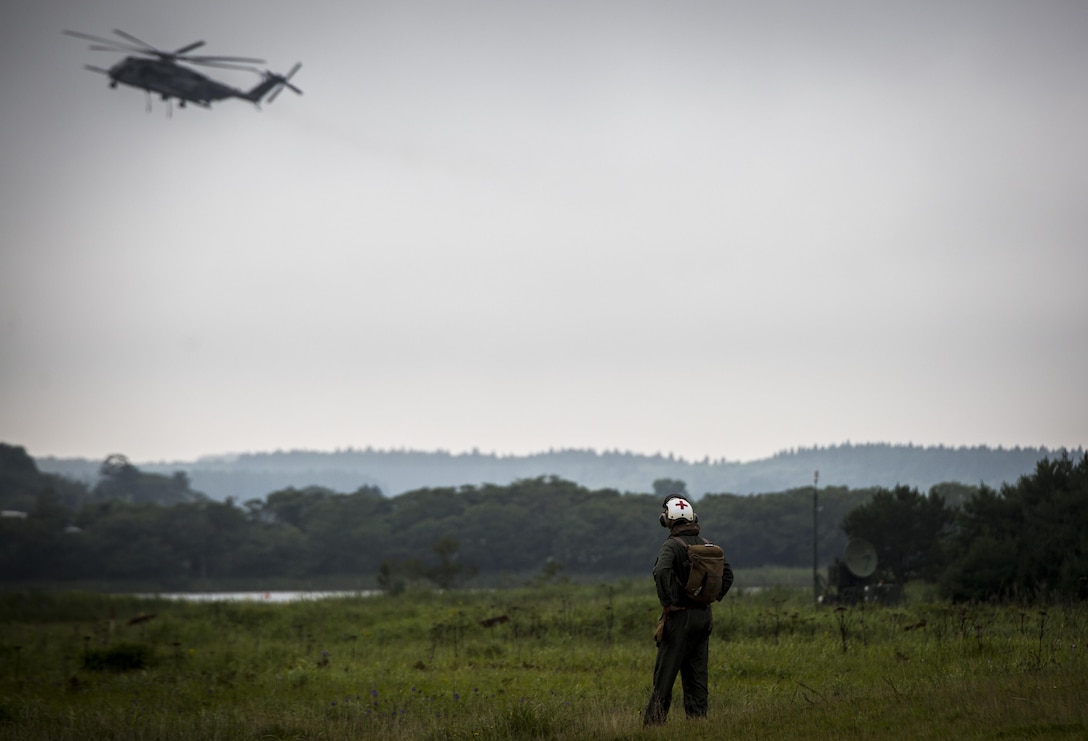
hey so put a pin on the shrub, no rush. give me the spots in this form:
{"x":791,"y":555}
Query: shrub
{"x":123,"y":657}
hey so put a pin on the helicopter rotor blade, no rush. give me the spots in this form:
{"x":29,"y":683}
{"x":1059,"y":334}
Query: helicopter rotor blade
{"x":134,"y":40}
{"x":218,"y":65}
{"x":101,"y":44}
{"x":214,"y":59}
{"x":89,"y":37}
{"x":289,"y":75}
{"x":164,"y":55}
{"x":188,"y":48}
{"x":139,"y":46}
{"x":117,"y":48}
{"x":99,"y":70}
{"x":135,"y":45}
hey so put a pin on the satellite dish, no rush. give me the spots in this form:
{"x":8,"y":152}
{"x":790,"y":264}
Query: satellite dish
{"x":860,"y":557}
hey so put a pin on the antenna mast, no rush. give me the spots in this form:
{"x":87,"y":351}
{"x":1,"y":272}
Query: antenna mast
{"x":815,"y":562}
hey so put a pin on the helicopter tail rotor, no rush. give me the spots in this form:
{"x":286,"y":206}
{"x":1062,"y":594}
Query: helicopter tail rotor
{"x":282,"y":81}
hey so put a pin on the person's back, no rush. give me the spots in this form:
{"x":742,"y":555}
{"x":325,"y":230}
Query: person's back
{"x":683,"y":635}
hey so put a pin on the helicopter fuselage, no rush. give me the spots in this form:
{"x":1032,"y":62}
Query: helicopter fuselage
{"x":170,"y":80}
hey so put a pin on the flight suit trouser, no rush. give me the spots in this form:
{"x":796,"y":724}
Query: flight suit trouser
{"x":684,"y":650}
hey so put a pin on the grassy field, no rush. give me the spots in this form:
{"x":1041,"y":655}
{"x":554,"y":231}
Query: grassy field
{"x":556,"y":662}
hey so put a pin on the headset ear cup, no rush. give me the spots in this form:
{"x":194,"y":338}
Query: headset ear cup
{"x":664,"y":506}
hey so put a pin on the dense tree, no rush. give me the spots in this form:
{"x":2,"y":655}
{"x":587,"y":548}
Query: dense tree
{"x":294,"y":506}
{"x":347,"y":533}
{"x":269,"y":550}
{"x":20,"y":479}
{"x":906,"y":527}
{"x":21,"y":483}
{"x":954,"y":494}
{"x":1029,"y":540}
{"x":123,"y":481}
{"x":448,"y":572}
{"x":776,"y":529}
{"x":667,"y":487}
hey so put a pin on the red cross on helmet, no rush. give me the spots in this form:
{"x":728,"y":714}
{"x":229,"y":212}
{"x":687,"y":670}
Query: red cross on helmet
{"x":677,"y":509}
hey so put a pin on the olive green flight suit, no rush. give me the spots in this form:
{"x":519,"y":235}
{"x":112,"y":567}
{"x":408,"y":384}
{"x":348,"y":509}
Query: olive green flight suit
{"x":684,"y":647}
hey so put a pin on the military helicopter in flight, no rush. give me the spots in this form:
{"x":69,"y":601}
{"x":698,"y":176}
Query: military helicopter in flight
{"x":165,"y":72}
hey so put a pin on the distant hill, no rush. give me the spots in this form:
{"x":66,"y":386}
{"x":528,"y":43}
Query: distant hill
{"x":255,"y":475}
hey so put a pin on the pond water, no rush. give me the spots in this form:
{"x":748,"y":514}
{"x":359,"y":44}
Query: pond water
{"x":271,"y":597}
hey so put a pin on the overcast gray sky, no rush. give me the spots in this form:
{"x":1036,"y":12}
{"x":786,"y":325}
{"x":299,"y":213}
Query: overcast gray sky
{"x":708,"y":228}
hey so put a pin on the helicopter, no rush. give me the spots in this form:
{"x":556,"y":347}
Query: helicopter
{"x":162,"y":72}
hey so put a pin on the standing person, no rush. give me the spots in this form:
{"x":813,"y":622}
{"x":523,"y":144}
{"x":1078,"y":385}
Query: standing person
{"x":683,"y":639}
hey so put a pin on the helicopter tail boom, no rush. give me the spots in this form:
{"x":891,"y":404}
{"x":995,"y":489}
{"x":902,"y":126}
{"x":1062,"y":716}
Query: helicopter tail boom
{"x":272,"y":83}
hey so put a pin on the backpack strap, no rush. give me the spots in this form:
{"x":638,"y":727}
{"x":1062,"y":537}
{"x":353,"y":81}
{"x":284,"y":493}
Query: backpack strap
{"x":684,"y":543}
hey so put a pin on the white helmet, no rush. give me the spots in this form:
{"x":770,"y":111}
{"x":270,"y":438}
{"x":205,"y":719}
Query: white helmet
{"x":677,"y":510}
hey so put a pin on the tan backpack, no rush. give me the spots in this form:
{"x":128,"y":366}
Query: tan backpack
{"x":706,"y":563}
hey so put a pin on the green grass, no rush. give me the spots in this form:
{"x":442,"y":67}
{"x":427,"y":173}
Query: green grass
{"x":569,"y":662}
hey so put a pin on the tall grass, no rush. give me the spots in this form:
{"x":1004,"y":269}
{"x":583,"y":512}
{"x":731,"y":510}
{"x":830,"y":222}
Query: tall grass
{"x":558,"y":662}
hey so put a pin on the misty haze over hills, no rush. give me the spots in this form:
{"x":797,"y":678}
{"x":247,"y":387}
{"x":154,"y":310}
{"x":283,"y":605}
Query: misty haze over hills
{"x":255,"y":475}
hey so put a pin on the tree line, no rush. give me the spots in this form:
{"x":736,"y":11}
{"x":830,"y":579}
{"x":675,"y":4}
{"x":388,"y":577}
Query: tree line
{"x":1023,"y":541}
{"x":250,"y":475}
